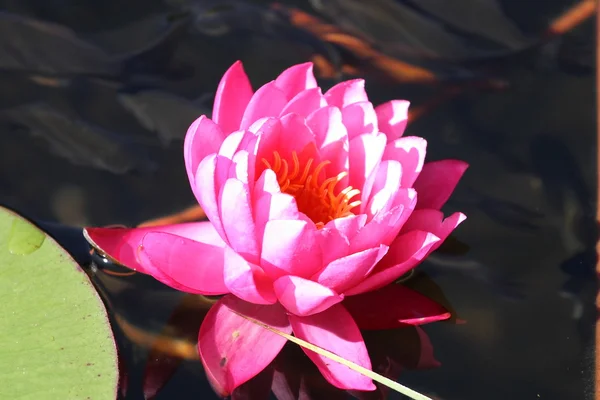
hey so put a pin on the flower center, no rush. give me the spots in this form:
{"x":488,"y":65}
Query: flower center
{"x":316,"y":198}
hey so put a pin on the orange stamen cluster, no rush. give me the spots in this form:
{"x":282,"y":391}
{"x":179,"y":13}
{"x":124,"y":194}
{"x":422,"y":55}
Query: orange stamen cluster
{"x":315,"y":196}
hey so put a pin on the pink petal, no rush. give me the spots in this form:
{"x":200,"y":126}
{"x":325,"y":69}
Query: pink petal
{"x":268,"y":101}
{"x":437,"y":182}
{"x":336,"y":235}
{"x":331,"y":137}
{"x":290,"y":247}
{"x":246,"y":280}
{"x":346,"y":93}
{"x":237,"y":219}
{"x":387,"y":181}
{"x":393,"y":306}
{"x":203,"y":137}
{"x":304,"y":103}
{"x":392,"y":118}
{"x":123,"y":246}
{"x":327,"y":125}
{"x":234,"y":349}
{"x":387,"y":223}
{"x":433,"y":221}
{"x":232,"y":97}
{"x":404,"y":254}
{"x":295,"y":135}
{"x":304,"y":297}
{"x":410,"y":152}
{"x":348,"y":271}
{"x":206,"y":192}
{"x":336,"y":331}
{"x":235,"y":141}
{"x":365,"y":154}
{"x":360,"y":118}
{"x":296,"y":79}
{"x":177,"y":258}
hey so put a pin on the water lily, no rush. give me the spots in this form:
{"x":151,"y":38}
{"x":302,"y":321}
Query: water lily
{"x":316,"y":204}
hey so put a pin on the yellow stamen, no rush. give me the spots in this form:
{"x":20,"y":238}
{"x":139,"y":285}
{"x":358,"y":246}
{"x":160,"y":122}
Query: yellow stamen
{"x":315,"y":194}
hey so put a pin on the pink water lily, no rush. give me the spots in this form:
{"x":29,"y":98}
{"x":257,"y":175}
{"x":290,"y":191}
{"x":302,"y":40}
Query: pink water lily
{"x":316,"y":204}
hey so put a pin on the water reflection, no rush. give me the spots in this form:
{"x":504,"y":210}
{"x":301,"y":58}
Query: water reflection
{"x":96,"y":100}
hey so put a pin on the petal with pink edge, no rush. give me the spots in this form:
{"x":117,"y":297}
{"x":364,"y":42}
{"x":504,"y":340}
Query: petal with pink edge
{"x":345,"y":93}
{"x":296,"y":79}
{"x":433,"y":221}
{"x":290,"y":247}
{"x":336,"y":235}
{"x":437,"y":181}
{"x":393,"y":118}
{"x":327,"y":125}
{"x":336,"y":331}
{"x":393,"y":306}
{"x":410,"y":152}
{"x":348,"y":271}
{"x":246,"y":280}
{"x":268,"y":101}
{"x":206,"y":191}
{"x":331,"y":137}
{"x":196,"y":265}
{"x":304,"y":103}
{"x":360,"y":118}
{"x":233,"y":349}
{"x":387,"y":181}
{"x":403,"y":255}
{"x":232,"y":97}
{"x":387,"y":223}
{"x":203,"y":137}
{"x":365,"y":154}
{"x":237,"y":218}
{"x":304,"y":297}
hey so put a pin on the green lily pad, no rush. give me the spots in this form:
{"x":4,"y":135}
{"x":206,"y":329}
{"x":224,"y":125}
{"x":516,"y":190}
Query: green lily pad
{"x":55,"y":338}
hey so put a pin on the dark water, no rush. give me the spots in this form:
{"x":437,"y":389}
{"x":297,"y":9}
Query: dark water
{"x":95,"y":104}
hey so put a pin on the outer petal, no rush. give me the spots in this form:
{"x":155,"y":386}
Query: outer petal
{"x":246,"y":280}
{"x":232,"y":97}
{"x":437,"y":182}
{"x":123,"y":245}
{"x":203,"y":137}
{"x":348,"y":271}
{"x":234,"y":349}
{"x":433,"y":221}
{"x":290,"y":247}
{"x":237,"y":218}
{"x":268,"y":101}
{"x":304,"y":297}
{"x":404,"y":254}
{"x":410,"y":151}
{"x":346,"y":93}
{"x":360,"y":118}
{"x":177,"y":258}
{"x":392,"y":118}
{"x":336,"y":331}
{"x":304,"y":103}
{"x":296,"y":79}
{"x":393,"y":306}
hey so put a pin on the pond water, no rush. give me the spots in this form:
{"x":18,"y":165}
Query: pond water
{"x":92,"y":122}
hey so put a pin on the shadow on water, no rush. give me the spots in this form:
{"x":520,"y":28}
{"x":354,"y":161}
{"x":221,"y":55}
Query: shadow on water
{"x":96,"y":99}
